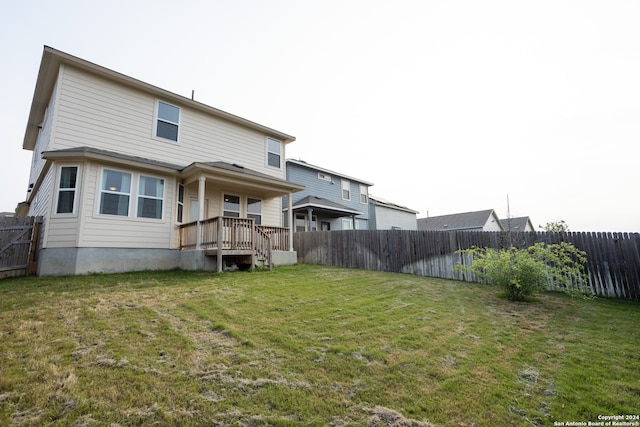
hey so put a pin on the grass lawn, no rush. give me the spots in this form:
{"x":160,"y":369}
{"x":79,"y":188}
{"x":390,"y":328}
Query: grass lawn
{"x":308,"y":345}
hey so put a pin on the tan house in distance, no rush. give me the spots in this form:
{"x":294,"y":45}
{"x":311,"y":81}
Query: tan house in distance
{"x":129,"y":176}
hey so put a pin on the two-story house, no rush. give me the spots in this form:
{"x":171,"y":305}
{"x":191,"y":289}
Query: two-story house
{"x":329,"y":201}
{"x":129,"y":176}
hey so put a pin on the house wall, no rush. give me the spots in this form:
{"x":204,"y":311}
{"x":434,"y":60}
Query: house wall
{"x":388,"y":218}
{"x":330,"y":190}
{"x":492,"y":224}
{"x":101,"y":113}
{"x":103,"y":231}
{"x":44,"y":138}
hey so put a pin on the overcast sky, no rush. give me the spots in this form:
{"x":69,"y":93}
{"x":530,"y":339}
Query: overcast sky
{"x":446,"y":106}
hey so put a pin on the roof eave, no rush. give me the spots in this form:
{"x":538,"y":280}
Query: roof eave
{"x":51,"y":60}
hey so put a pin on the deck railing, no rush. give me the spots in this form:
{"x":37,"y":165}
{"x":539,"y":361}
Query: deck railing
{"x":230,"y":233}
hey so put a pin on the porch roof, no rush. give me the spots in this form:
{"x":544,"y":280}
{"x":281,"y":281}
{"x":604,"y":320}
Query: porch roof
{"x":227,"y":174}
{"x":325,"y":206}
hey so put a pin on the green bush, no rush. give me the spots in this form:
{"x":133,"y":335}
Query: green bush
{"x":524,"y":272}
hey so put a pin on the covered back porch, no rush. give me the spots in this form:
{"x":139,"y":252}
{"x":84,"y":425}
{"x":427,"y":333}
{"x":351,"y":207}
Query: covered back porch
{"x":235,"y":214}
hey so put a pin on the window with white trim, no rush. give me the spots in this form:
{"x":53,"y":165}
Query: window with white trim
{"x":347,"y":224}
{"x":254,"y":209}
{"x":67,"y":190}
{"x":274,"y":153}
{"x":180,"y":209}
{"x":167,"y":121}
{"x":324,"y":176}
{"x":231,"y":206}
{"x":150,"y":197}
{"x":115,"y":193}
{"x":346,"y":190}
{"x":363,"y":194}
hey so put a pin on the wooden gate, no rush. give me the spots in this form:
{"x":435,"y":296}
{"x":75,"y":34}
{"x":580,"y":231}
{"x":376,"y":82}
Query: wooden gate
{"x":18,"y":245}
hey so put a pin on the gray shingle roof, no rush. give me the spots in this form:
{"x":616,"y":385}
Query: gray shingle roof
{"x":515,"y":224}
{"x":460,"y":221}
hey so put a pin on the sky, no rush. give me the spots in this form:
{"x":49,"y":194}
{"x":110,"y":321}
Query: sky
{"x":528,"y":108}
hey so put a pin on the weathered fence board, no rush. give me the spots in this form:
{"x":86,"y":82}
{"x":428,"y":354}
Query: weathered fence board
{"x":18,"y":245}
{"x":613,"y":259}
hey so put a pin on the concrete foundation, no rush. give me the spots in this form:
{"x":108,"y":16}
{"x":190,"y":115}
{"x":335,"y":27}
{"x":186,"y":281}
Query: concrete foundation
{"x":73,"y":261}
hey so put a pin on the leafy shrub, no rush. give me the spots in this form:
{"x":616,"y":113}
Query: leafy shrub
{"x":524,"y":272}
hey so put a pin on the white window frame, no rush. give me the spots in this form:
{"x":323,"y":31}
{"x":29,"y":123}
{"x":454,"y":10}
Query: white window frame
{"x":145,"y":196}
{"x":157,"y":119}
{"x":180,"y":204}
{"x":134,"y":195}
{"x":346,"y":186}
{"x":347,"y":224}
{"x":224,"y":209}
{"x":101,"y":190}
{"x":269,"y":151}
{"x":74,"y":190}
{"x":324,"y":177}
{"x":363,"y":193}
{"x":258,"y":220}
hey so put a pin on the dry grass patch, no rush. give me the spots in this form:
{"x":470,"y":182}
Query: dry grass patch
{"x":307,"y":345}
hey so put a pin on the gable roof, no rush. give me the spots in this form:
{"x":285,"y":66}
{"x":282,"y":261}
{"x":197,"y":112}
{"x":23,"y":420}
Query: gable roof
{"x":379,"y":201}
{"x":48,"y":74}
{"x":516,"y":224}
{"x":319,"y":169}
{"x":460,"y":221}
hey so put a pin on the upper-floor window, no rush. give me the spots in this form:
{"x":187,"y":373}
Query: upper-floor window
{"x":274,"y":153}
{"x":363,"y":194}
{"x":346,"y":190}
{"x":167,"y":121}
{"x":150,"y":197}
{"x":67,"y":189}
{"x":324,"y":176}
{"x":254,"y":209}
{"x":115,"y":193}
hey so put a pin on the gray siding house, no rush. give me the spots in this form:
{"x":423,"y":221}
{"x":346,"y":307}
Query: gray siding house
{"x":330,"y":200}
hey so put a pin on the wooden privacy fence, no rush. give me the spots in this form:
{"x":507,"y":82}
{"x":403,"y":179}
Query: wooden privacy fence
{"x":18,"y":245}
{"x":613,"y":259}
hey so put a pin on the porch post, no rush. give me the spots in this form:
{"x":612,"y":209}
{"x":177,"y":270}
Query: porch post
{"x":291,"y":224}
{"x":310,"y":218}
{"x":353,"y":220}
{"x":201,"y":183}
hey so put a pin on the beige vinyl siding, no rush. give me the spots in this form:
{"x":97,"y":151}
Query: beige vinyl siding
{"x":99,"y":113}
{"x":41,"y":201}
{"x":62,"y":232}
{"x":272,"y":212}
{"x":125,"y":232}
{"x":44,"y":139}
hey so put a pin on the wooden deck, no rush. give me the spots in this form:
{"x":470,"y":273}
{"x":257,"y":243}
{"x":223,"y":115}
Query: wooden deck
{"x":229,"y":236}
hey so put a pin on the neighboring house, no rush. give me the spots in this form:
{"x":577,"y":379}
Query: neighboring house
{"x":522,"y":223}
{"x":386,"y":215}
{"x":486,"y":220}
{"x":330,"y":200}
{"x":129,"y":176}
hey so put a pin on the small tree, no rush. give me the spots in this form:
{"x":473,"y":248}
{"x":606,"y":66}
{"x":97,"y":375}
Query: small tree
{"x":555,"y":226}
{"x":523,"y":272}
